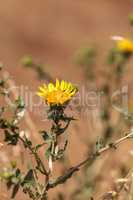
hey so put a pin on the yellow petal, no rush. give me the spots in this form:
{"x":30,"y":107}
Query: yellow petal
{"x":62,"y":84}
{"x":69,"y":87}
{"x":65,"y":85}
{"x":41,"y":89}
{"x":57,"y":84}
{"x":73,"y":92}
{"x":40,"y":94}
{"x":59,"y":93}
{"x":51,"y":87}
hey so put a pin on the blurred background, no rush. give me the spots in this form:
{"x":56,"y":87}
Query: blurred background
{"x":52,"y":32}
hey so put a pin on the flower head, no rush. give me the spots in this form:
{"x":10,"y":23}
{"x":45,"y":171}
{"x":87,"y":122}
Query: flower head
{"x":57,"y":94}
{"x":123,"y":45}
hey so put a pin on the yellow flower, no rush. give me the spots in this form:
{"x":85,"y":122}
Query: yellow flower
{"x":123,"y":45}
{"x":58,"y":93}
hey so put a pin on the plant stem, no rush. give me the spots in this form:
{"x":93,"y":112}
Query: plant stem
{"x":68,"y":174}
{"x":104,"y":149}
{"x":37,"y":158}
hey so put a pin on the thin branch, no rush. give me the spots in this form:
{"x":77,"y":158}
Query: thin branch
{"x":106,"y":148}
{"x":92,"y":157}
{"x":37,"y":158}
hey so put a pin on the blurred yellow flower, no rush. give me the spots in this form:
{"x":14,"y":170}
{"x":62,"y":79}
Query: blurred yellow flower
{"x":58,"y":93}
{"x":123,"y":45}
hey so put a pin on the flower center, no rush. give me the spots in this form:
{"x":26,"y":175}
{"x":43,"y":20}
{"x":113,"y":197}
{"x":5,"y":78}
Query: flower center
{"x":57,"y":97}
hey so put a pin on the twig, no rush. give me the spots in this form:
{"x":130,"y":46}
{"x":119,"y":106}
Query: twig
{"x":104,"y":149}
{"x":92,"y":157}
{"x":37,"y":158}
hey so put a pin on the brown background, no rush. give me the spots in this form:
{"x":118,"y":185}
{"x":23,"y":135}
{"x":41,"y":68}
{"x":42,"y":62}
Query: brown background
{"x":52,"y":31}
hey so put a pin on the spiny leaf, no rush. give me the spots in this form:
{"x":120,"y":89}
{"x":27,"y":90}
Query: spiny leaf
{"x":29,"y":178}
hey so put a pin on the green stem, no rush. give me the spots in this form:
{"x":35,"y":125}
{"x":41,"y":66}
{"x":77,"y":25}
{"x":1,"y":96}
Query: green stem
{"x":39,"y":162}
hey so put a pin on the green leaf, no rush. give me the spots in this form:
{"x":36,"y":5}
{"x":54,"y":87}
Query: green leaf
{"x":18,"y":172}
{"x":4,"y":124}
{"x":11,"y":138}
{"x":29,"y":178}
{"x":45,"y":136}
{"x":20,"y":103}
{"x":27,"y":142}
{"x":37,"y":147}
{"x":99,"y":144}
{"x":48,"y":152}
{"x":15,"y":180}
{"x":15,"y":190}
